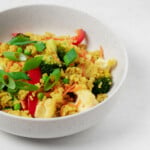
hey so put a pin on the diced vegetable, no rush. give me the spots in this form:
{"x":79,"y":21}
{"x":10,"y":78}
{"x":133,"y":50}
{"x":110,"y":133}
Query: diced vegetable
{"x":70,"y":56}
{"x":32,"y":63}
{"x":15,"y":56}
{"x":54,"y":76}
{"x":9,"y":82}
{"x":27,"y":52}
{"x":25,"y":86}
{"x":35,"y":75}
{"x":20,"y":39}
{"x":19,"y":49}
{"x":40,"y":96}
{"x":44,"y":78}
{"x":17,"y":106}
{"x":102,"y":85}
{"x":65,"y":81}
{"x":18,"y":75}
{"x":32,"y":103}
{"x":48,"y":68}
{"x":61,"y":52}
{"x":79,"y":37}
{"x":40,"y":46}
{"x":51,"y":45}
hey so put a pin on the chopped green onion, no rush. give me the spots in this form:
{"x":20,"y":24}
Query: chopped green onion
{"x":17,"y":106}
{"x":32,"y":63}
{"x":12,"y":91}
{"x":1,"y":85}
{"x":9,"y":82}
{"x":15,"y":56}
{"x":19,"y":49}
{"x":20,"y":39}
{"x":18,"y":75}
{"x":55,"y":76}
{"x":65,"y":81}
{"x":26,"y":86}
{"x":40,"y":96}
{"x":70,"y":56}
{"x":40,"y":46}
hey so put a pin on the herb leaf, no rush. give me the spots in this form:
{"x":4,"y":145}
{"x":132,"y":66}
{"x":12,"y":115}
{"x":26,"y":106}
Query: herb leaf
{"x":32,"y":63}
{"x":40,"y":46}
{"x":70,"y":56}
{"x":26,"y":86}
{"x":18,"y":75}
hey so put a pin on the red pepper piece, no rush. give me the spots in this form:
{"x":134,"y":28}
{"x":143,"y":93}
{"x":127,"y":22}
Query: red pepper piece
{"x":35,"y":75}
{"x":32,"y":103}
{"x":14,"y":34}
{"x":79,"y":37}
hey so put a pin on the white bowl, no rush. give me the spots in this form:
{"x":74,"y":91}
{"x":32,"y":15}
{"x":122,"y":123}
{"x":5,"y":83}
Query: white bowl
{"x":61,"y":20}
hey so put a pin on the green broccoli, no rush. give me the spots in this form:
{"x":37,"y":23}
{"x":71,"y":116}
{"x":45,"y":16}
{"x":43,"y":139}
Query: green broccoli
{"x":61,"y":52}
{"x":48,"y":68}
{"x":102,"y":85}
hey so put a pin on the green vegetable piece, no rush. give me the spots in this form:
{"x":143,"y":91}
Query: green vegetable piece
{"x":32,"y":63}
{"x":65,"y":81}
{"x":102,"y":85}
{"x":1,"y":85}
{"x":26,"y":86}
{"x":40,"y":46}
{"x":55,"y":76}
{"x":9,"y":82}
{"x":27,"y":52}
{"x":44,"y":78}
{"x":40,"y":96}
{"x":19,"y":49}
{"x":51,"y":45}
{"x":70,"y":56}
{"x":48,"y":68}
{"x":12,"y":91}
{"x":15,"y":56}
{"x":17,"y":106}
{"x":18,"y":75}
{"x":20,"y":39}
{"x":61,"y":52}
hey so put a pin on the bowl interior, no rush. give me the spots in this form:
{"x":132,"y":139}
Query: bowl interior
{"x":60,"y":20}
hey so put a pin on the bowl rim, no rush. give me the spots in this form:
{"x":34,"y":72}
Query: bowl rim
{"x":89,"y":109}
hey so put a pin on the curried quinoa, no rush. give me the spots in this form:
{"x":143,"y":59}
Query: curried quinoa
{"x":45,"y":76}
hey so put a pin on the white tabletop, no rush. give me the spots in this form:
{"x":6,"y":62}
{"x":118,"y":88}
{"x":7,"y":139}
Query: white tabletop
{"x":128,"y":125}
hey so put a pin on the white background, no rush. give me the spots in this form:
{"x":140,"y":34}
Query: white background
{"x":128,"y":125}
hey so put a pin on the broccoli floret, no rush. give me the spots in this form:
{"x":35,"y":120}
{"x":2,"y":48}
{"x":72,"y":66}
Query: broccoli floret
{"x":61,"y":52}
{"x":48,"y":68}
{"x":102,"y":85}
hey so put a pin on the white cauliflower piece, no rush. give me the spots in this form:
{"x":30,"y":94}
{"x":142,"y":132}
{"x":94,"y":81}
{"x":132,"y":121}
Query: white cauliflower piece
{"x":85,"y":100}
{"x":45,"y":109}
{"x":106,"y":64}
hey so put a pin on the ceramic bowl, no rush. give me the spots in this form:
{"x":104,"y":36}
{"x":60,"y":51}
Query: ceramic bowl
{"x":62,"y":20}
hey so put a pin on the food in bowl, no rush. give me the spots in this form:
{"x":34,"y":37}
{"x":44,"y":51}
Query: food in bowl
{"x":45,"y":76}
